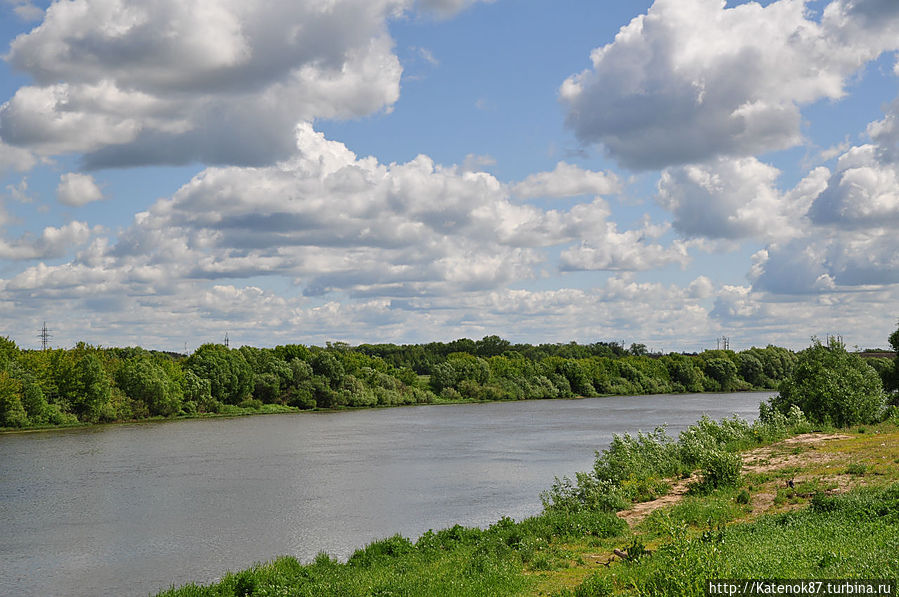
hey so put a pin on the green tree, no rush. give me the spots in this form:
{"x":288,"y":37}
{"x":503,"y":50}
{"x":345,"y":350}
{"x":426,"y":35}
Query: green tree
{"x":12,"y":413}
{"x":326,"y":365}
{"x":443,"y":375}
{"x":9,"y":352}
{"x":144,"y":380}
{"x":92,"y":390}
{"x":893,"y":385}
{"x":35,"y":403}
{"x":684,"y":373}
{"x":491,"y":346}
{"x":751,"y":369}
{"x":577,"y":377}
{"x":723,"y":371}
{"x":198,"y":391}
{"x":830,"y":384}
{"x":230,"y":376}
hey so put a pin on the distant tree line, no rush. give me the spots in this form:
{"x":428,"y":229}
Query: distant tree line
{"x":88,"y":384}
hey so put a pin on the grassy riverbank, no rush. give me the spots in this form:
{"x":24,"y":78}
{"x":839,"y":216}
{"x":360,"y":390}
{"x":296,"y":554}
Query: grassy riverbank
{"x":716,"y":503}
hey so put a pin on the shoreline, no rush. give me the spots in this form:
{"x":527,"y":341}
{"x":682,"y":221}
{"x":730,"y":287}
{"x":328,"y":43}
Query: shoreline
{"x":275,"y":409}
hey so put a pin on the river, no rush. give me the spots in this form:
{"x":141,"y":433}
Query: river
{"x":132,"y":509}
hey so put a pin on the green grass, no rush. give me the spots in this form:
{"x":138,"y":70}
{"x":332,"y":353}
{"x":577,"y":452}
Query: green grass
{"x":463,"y":570}
{"x":855,"y":535}
{"x":716,"y":509}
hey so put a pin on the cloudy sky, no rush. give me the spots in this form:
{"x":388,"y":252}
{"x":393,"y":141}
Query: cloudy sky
{"x":665,"y":172}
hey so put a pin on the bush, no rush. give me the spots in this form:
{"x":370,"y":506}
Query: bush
{"x":251,"y":403}
{"x":832,"y":386}
{"x":385,"y":549}
{"x":706,"y":436}
{"x":585,"y":493}
{"x":448,"y":539}
{"x":720,"y":469}
{"x":647,"y":455}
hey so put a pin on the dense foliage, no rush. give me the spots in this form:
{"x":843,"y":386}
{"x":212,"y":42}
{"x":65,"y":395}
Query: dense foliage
{"x":832,"y":386}
{"x":89,"y":384}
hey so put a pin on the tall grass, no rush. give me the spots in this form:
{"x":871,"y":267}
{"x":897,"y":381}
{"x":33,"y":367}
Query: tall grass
{"x":636,"y":468}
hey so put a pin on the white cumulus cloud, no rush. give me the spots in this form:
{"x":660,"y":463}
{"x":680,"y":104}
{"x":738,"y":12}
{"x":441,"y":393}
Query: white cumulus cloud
{"x":567,"y":180}
{"x":737,"y":198}
{"x":77,"y":189}
{"x":52,"y":243}
{"x":14,"y":158}
{"x":222,"y":81}
{"x":692,"y":80}
{"x":337,"y":223}
{"x":852,"y":241}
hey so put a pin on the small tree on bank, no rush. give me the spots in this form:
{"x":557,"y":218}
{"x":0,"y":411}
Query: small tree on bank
{"x":892,"y":384}
{"x":831,"y":385}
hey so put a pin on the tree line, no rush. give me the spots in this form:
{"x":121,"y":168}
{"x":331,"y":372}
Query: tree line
{"x":88,"y":384}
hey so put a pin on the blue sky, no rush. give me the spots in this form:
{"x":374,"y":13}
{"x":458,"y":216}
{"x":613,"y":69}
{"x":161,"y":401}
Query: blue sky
{"x":664,"y":172}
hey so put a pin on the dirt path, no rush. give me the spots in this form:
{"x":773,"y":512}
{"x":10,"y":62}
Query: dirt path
{"x":792,"y":452}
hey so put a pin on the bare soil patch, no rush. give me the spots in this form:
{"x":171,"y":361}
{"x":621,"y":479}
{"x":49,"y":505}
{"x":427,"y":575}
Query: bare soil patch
{"x":770,"y":458}
{"x":776,"y":456}
{"x":641,"y":510}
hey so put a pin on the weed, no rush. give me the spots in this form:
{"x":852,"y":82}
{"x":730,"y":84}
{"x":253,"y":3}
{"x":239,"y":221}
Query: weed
{"x":856,"y":468}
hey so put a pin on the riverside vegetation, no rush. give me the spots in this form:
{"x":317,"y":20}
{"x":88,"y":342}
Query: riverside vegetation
{"x":88,"y":384}
{"x":797,"y":494}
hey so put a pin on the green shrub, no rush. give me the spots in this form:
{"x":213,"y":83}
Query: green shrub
{"x":449,"y":539}
{"x":646,"y":455}
{"x":378,"y":551}
{"x":831,"y":385}
{"x":720,"y":469}
{"x":245,"y":584}
{"x":585,"y":493}
{"x":593,"y":523}
{"x":251,"y":403}
{"x":707,"y":435}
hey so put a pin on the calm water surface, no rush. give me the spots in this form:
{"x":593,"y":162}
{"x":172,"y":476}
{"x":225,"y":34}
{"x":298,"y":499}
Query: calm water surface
{"x":132,"y":509}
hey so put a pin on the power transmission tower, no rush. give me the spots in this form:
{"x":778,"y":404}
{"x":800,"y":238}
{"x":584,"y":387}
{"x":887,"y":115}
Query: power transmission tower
{"x":45,"y":337}
{"x":227,"y":341}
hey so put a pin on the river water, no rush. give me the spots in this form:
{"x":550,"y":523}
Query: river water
{"x":133,"y":509}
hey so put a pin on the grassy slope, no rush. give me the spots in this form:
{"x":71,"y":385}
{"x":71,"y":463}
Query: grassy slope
{"x":852,"y":533}
{"x":762,"y":529}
